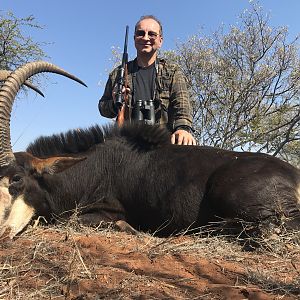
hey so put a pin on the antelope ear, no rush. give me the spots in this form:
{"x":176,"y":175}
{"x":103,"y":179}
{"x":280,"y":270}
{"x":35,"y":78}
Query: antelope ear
{"x":55,"y":164}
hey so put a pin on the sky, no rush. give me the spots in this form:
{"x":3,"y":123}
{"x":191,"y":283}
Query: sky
{"x":79,"y":37}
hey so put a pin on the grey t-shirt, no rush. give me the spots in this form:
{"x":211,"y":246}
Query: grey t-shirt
{"x":144,"y":83}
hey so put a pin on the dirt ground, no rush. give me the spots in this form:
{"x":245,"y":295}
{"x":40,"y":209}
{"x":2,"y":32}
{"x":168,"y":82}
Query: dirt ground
{"x":64,"y":262}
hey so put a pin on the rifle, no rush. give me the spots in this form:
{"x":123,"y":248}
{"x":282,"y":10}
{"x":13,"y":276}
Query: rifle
{"x":122,"y":99}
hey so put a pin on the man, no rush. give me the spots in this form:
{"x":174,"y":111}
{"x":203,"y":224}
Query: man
{"x":152,"y":78}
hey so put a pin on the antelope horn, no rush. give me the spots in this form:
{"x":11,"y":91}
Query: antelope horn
{"x":4,"y":74}
{"x":8,"y":92}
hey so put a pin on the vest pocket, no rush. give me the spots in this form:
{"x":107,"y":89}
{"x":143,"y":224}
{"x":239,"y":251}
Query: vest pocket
{"x":161,"y":113}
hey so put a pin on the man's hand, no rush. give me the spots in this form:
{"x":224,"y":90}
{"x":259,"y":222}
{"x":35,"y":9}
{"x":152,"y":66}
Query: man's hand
{"x":124,"y":90}
{"x":182,"y":137}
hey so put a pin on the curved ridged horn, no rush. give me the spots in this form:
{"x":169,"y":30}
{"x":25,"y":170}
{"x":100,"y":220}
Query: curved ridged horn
{"x":4,"y":74}
{"x":8,"y":92}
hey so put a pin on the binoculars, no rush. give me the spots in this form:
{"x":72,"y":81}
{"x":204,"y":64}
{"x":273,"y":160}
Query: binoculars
{"x":144,"y":111}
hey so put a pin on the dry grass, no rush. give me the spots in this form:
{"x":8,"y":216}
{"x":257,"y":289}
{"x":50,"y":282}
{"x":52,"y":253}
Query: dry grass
{"x":49,"y":269}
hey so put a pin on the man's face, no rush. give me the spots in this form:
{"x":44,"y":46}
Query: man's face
{"x":147,"y":38}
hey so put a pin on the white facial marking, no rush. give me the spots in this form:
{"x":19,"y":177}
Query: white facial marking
{"x":298,"y":194}
{"x":5,"y":198}
{"x":19,"y":216}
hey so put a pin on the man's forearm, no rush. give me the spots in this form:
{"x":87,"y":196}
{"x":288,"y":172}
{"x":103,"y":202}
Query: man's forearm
{"x":107,"y":108}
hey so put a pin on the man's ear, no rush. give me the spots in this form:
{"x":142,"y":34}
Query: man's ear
{"x":161,"y":39}
{"x":54,"y":164}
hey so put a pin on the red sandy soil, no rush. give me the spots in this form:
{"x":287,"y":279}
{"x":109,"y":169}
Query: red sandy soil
{"x":67,"y":263}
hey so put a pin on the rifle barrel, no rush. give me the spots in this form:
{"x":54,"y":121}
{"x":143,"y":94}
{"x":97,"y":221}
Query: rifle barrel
{"x":121,"y":80}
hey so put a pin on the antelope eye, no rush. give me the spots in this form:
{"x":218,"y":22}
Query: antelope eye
{"x":16,"y":178}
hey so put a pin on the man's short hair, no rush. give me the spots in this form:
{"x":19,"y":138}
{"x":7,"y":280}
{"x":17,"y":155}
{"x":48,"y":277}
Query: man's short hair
{"x":149,"y":17}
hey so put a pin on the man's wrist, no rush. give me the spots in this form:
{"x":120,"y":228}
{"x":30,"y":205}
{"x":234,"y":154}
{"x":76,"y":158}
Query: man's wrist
{"x":184,"y":127}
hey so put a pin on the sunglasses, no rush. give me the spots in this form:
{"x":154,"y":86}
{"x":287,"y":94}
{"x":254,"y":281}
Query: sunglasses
{"x":151,"y":34}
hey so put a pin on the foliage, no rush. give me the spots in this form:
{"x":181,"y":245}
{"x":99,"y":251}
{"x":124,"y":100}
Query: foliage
{"x":16,"y":47}
{"x":244,"y":85}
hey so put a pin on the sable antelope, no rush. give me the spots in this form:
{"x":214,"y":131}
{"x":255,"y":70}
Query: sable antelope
{"x":132,"y":173}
